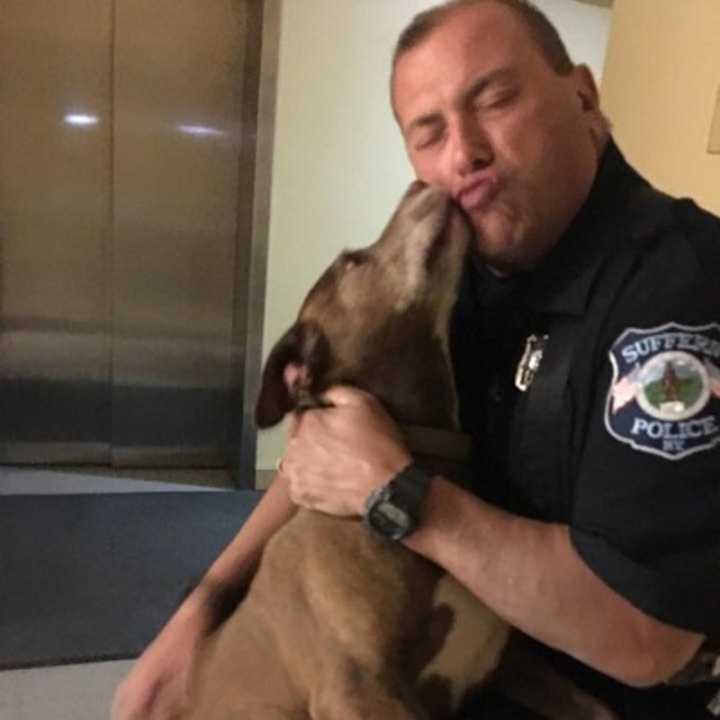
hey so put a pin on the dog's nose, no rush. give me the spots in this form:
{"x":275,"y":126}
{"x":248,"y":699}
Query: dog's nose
{"x":416,"y":187}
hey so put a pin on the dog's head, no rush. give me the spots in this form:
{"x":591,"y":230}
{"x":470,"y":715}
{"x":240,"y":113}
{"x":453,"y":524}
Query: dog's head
{"x":377,"y":319}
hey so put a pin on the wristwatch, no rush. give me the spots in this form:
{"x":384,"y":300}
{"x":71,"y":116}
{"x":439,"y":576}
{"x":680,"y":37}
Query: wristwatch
{"x":393,"y":510}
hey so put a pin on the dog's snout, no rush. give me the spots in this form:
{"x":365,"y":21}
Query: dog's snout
{"x":428,"y":200}
{"x":416,"y":187}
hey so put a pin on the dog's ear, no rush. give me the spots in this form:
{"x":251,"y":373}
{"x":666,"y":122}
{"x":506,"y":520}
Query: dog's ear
{"x":305,"y":345}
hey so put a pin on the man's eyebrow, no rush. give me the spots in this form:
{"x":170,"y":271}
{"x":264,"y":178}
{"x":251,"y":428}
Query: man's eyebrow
{"x":501,"y":75}
{"x":422,"y":121}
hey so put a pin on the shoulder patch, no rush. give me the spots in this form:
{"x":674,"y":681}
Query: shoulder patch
{"x":664,"y":397}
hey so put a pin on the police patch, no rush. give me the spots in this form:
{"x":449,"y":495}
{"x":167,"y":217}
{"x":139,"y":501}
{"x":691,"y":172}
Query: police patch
{"x":665,"y":393}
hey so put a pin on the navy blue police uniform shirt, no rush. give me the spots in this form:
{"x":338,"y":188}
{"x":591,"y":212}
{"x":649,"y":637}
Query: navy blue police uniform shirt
{"x":617,"y":433}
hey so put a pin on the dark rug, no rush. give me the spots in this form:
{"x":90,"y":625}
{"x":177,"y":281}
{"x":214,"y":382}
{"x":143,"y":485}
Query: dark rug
{"x":94,"y":577}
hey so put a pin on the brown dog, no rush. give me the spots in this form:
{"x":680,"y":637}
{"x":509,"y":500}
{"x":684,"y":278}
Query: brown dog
{"x":338,"y":623}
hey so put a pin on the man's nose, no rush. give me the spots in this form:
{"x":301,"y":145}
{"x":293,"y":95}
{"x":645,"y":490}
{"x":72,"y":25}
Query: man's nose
{"x":471,"y":147}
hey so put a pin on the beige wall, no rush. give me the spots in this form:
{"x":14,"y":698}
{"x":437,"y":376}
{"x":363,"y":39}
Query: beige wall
{"x":339,"y":165}
{"x":660,"y":83}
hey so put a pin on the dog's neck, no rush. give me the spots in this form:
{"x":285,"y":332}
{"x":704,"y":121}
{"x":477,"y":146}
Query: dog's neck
{"x":438,"y":443}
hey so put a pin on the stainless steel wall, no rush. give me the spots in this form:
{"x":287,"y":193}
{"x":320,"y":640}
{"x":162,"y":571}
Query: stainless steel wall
{"x":123,"y":225}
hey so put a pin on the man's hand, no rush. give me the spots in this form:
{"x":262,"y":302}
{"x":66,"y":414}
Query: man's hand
{"x":157,"y":686}
{"x":337,"y":455}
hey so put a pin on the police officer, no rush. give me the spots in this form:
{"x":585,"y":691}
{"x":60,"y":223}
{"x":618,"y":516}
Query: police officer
{"x":586,"y":343}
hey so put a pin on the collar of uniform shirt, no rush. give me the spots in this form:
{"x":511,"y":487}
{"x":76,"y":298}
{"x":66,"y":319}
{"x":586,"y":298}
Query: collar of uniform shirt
{"x":561,"y":284}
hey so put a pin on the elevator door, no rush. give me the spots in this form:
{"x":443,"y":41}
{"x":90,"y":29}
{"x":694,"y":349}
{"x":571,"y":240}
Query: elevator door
{"x":121,"y":230}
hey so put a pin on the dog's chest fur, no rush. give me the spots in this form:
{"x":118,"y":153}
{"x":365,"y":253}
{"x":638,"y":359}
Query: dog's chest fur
{"x":348,"y":593}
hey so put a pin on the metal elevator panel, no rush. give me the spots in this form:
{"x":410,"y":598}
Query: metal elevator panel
{"x":121,"y":125}
{"x":55,"y":200}
{"x":178,"y":86}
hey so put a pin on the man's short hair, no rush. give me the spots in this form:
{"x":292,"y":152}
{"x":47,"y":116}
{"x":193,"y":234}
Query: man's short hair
{"x":541,"y":30}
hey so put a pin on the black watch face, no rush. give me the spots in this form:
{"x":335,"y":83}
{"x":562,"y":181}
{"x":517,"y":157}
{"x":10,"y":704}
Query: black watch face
{"x":390,"y":520}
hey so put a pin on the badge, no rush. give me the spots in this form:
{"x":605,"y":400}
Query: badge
{"x":665,"y":393}
{"x":714,"y":705}
{"x":530,"y":361}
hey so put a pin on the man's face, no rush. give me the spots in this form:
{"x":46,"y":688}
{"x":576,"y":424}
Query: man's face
{"x":485,"y":118}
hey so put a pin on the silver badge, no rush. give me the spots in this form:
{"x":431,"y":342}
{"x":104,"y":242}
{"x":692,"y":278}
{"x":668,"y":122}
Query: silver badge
{"x":714,"y":705}
{"x":530,"y":361}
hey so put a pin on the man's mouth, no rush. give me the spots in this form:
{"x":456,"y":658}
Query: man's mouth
{"x":477,"y":194}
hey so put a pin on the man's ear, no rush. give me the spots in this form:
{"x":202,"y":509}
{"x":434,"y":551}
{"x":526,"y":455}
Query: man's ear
{"x":587,"y":88}
{"x":589,"y":96}
{"x":305,"y":345}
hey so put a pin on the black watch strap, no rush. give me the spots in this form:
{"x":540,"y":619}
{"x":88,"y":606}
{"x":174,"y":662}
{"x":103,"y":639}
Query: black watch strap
{"x":393,"y":510}
{"x":412,"y":484}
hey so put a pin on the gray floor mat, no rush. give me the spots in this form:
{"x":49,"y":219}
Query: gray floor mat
{"x":94,"y":577}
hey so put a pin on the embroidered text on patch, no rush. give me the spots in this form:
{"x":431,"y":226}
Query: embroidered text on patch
{"x":665,"y":393}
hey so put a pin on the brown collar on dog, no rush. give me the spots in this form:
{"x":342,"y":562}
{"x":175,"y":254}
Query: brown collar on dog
{"x":444,"y":444}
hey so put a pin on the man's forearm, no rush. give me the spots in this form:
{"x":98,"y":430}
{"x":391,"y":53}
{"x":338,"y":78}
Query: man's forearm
{"x":529,"y":573}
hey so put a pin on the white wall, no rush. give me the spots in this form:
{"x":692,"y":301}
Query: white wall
{"x":584,"y":28}
{"x":339,"y":164}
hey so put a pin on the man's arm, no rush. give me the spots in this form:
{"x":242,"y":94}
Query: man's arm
{"x":528,"y":572}
{"x":531,"y":575}
{"x":156,"y":688}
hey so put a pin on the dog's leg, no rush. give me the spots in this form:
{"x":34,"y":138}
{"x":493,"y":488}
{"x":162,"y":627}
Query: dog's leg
{"x":259,"y":711}
{"x":350,"y":692}
{"x":240,"y":674}
{"x":241,"y":710}
{"x":374,"y":703}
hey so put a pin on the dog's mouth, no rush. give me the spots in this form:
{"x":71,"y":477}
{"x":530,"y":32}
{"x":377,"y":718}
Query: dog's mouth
{"x":442,"y":218}
{"x":439,"y":241}
{"x":444,"y":236}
